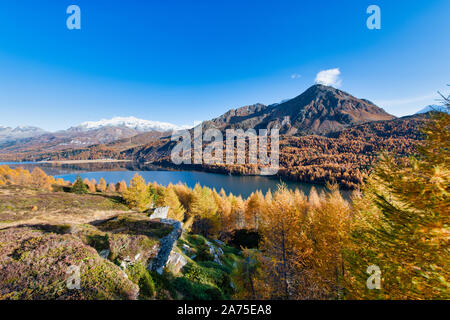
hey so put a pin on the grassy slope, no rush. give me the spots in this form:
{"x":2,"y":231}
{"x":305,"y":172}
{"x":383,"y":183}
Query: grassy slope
{"x":43,"y":233}
{"x":20,"y":204}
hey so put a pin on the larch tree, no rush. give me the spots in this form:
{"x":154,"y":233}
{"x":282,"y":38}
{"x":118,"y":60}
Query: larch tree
{"x":170,"y":199}
{"x":111,"y":188}
{"x":137,"y":196}
{"x":281,"y":245}
{"x":328,"y":228}
{"x":402,"y":223}
{"x":101,"y":186}
{"x":253,"y":209}
{"x":121,"y":186}
{"x":204,"y":210}
{"x":40,"y":180}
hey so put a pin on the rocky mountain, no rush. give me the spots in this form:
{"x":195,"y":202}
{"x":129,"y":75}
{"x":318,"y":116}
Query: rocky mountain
{"x":30,"y":139}
{"x":319,"y":110}
{"x":10,"y":134}
{"x":67,"y":139}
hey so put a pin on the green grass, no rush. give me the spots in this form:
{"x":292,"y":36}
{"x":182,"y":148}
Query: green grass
{"x":201,"y":278}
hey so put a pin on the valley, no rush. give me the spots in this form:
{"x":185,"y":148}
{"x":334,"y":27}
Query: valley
{"x":325,"y":135}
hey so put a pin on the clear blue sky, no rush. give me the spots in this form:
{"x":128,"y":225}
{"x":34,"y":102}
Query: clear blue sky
{"x":185,"y":61}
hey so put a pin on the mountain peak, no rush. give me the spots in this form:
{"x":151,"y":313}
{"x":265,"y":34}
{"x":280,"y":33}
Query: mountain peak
{"x":320,"y":109}
{"x":20,"y":132}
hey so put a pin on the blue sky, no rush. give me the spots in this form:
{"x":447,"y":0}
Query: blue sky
{"x":186,"y":61}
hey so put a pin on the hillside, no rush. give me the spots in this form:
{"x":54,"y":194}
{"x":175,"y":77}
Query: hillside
{"x":45,"y":234}
{"x":343,"y":156}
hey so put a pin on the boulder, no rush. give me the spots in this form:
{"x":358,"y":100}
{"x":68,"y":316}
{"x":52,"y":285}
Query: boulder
{"x":176,"y":261}
{"x":160,"y":213}
{"x":104,"y":253}
{"x":215,"y":252}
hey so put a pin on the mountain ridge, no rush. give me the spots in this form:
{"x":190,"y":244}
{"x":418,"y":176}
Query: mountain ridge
{"x":318,"y":110}
{"x":131,"y":122}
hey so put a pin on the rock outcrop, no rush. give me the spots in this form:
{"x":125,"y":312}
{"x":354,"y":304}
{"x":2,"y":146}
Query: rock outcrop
{"x":166,"y":252}
{"x":160,"y":213}
{"x":216,"y":252}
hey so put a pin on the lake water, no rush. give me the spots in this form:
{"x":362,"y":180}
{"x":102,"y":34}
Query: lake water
{"x":113,"y":173}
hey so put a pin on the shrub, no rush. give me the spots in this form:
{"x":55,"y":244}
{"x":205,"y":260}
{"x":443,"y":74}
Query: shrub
{"x":196,"y":290}
{"x":138,"y":273}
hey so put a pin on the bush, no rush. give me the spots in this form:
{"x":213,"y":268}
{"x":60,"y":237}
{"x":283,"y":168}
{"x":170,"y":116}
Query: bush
{"x":196,"y":290}
{"x":139,"y":274}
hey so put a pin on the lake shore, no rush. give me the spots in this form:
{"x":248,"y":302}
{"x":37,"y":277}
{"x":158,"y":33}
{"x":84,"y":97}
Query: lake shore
{"x":83,"y":161}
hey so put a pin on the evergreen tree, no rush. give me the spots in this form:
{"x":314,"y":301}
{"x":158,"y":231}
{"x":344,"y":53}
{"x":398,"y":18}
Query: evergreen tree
{"x":79,"y":187}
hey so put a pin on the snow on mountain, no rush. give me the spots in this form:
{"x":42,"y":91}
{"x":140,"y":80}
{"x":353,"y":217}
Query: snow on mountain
{"x":433,"y":108}
{"x":128,"y":122}
{"x":20,"y":132}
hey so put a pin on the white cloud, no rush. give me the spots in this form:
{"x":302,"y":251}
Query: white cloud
{"x":329,"y":77}
{"x":295,"y":76}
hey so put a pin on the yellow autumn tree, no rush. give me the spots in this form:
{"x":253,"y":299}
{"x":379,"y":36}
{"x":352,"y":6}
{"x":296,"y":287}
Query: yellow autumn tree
{"x":137,"y":196}
{"x":204,"y":210}
{"x":237,"y":215}
{"x":90,"y":185}
{"x":328,"y":227}
{"x":111,"y":188}
{"x":121,"y":186}
{"x":101,"y":186}
{"x":253,"y":208}
{"x":402,"y":223}
{"x":40,"y":180}
{"x":283,"y":244}
{"x":170,"y":199}
{"x":223,"y":209}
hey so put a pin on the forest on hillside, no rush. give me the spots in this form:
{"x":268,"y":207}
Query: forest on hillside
{"x":344,"y":157}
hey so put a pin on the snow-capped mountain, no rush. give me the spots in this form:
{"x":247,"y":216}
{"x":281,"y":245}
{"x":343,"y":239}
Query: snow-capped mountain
{"x":433,"y":108}
{"x":20,"y":132}
{"x":134,"y":123}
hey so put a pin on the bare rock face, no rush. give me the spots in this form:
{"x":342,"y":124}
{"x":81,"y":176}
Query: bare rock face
{"x":216,"y":252}
{"x":104,"y":253}
{"x":176,"y":261}
{"x":166,"y":248}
